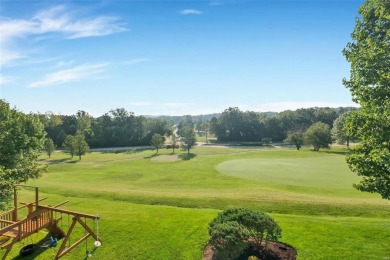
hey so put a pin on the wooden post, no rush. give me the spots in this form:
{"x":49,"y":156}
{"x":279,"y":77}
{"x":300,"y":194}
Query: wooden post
{"x":62,"y":247}
{"x":15,"y":213}
{"x":36,"y":197}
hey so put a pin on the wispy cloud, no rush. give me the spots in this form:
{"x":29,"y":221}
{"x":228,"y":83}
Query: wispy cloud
{"x":57,"y":20}
{"x":135,"y":61}
{"x":190,"y":11}
{"x":5,"y":80}
{"x":70,"y":75}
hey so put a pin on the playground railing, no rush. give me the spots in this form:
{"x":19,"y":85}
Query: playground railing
{"x":6,"y":219}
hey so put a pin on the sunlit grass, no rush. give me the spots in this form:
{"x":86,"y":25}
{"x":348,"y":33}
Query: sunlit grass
{"x":158,"y":206}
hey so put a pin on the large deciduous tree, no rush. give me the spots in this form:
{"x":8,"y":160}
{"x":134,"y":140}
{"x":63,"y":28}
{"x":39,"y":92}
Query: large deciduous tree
{"x":21,"y":141}
{"x":369,"y":84}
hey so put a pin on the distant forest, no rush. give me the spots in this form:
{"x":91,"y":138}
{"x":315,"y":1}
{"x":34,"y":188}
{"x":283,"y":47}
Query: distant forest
{"x":120,"y":128}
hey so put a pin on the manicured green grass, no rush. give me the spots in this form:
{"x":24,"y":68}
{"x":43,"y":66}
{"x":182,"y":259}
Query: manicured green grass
{"x":158,"y":206}
{"x":319,"y":173}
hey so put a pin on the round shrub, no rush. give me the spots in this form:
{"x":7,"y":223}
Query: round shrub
{"x":235,"y":231}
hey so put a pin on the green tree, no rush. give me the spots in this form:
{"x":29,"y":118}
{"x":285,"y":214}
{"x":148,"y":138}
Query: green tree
{"x":295,"y":138}
{"x":50,"y":147}
{"x":207,"y":128}
{"x":80,"y":145}
{"x":189,"y":137}
{"x":21,"y":142}
{"x":157,"y":141}
{"x":318,"y":135}
{"x":339,"y":134}
{"x":234,"y":231}
{"x":369,"y":84}
{"x":84,"y":121}
{"x":69,"y":145}
{"x":173,"y":141}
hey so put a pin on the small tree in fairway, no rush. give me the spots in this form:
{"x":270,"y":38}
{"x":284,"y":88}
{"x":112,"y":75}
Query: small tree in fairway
{"x":189,"y":138}
{"x":81,"y":146}
{"x":338,"y":133}
{"x":296,"y":139}
{"x":174,"y":142}
{"x":69,"y":145}
{"x":50,"y":147}
{"x":157,"y":141}
{"x":318,"y":135}
{"x":76,"y":145}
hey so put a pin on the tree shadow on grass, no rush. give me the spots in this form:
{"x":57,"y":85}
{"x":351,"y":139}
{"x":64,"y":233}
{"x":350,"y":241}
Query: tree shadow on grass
{"x":63,"y":160}
{"x":151,"y":156}
{"x":343,"y":152}
{"x":129,"y":151}
{"x":187,"y":156}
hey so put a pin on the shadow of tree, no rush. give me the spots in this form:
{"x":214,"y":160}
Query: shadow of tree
{"x":63,"y":160}
{"x":129,"y":151}
{"x":187,"y":156}
{"x":151,"y":156}
{"x":342,"y":152}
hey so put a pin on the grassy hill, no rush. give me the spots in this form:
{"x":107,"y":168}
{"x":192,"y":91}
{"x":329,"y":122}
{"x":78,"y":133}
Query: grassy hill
{"x":159,"y":206}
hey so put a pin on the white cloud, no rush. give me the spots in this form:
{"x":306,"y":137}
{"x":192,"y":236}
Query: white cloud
{"x":56,"y":20}
{"x":135,"y":61}
{"x":4,"y":79}
{"x":70,"y":75}
{"x":140,"y":104}
{"x":8,"y":56}
{"x":190,"y":11}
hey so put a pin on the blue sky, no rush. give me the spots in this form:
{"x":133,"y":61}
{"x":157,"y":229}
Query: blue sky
{"x":174,"y":57}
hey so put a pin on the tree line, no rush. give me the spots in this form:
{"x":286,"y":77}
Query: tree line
{"x":235,"y":125}
{"x":120,"y":128}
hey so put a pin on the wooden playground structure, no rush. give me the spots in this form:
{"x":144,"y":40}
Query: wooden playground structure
{"x":13,"y":229}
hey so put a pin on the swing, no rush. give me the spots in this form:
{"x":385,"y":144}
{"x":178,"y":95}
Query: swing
{"x":97,"y":243}
{"x":29,"y":249}
{"x":51,"y":242}
{"x":87,"y":252}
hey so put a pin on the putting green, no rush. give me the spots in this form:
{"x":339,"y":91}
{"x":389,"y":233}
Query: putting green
{"x":324,"y":172}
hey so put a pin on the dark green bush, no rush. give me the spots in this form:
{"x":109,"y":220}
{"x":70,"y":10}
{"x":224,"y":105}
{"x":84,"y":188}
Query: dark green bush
{"x":234,"y":231}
